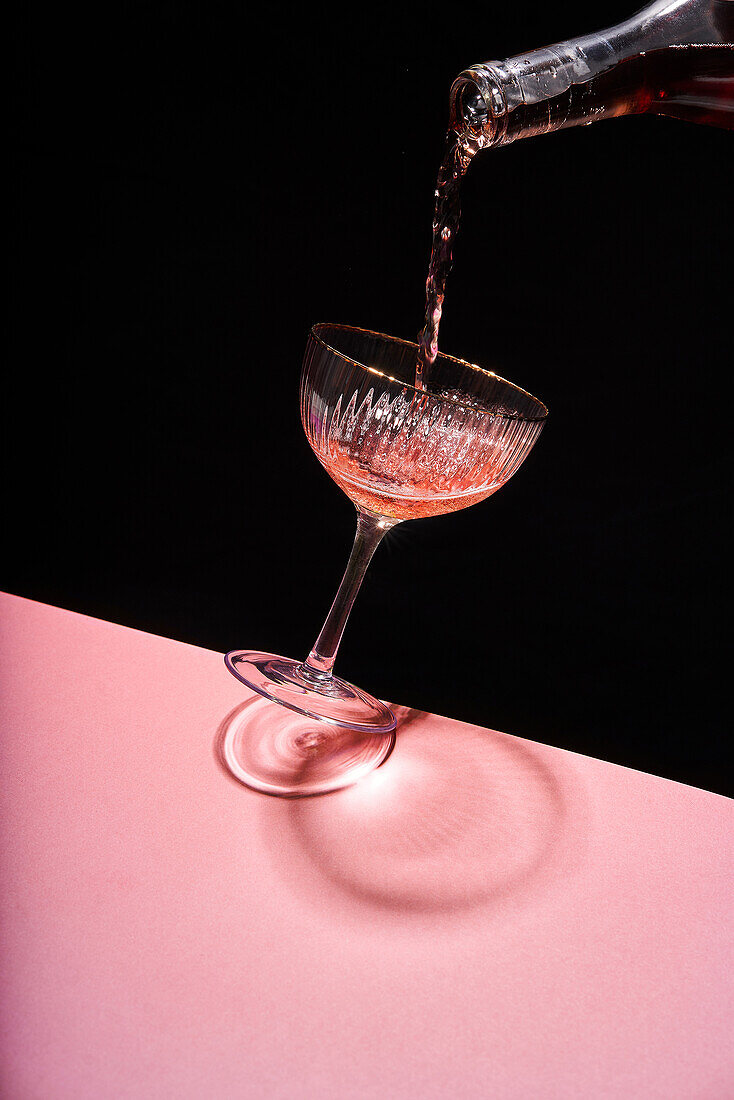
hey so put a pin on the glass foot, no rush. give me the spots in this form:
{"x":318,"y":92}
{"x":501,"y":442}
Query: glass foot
{"x":329,"y":700}
{"x":325,"y":734}
{"x":277,"y":751}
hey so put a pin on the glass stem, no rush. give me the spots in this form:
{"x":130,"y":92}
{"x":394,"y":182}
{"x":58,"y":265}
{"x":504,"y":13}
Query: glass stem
{"x":320,"y":661}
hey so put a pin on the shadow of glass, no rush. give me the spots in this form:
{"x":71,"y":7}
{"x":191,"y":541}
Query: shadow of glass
{"x":457,"y":817}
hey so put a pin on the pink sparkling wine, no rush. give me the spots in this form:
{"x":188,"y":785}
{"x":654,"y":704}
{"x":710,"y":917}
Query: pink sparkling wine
{"x":419,"y":455}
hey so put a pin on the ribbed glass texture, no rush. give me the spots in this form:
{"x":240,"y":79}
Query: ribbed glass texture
{"x":405,"y":453}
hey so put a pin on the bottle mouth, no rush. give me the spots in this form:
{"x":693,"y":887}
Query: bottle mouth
{"x":478,"y":107}
{"x":471,"y":106}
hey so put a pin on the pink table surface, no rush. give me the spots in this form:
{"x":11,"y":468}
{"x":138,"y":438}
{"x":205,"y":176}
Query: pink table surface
{"x":482,"y":917}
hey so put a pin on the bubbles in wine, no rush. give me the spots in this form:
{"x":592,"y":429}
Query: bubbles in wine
{"x":416,"y":455}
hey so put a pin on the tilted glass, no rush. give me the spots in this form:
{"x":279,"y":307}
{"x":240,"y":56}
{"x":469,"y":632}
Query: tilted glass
{"x":399,"y":452}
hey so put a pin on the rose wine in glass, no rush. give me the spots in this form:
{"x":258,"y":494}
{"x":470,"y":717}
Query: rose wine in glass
{"x":398,"y":452}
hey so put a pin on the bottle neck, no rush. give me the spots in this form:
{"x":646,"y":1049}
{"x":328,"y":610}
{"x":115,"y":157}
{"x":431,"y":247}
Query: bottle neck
{"x":580,"y":81}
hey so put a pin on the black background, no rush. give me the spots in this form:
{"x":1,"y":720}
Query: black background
{"x":194,"y":188}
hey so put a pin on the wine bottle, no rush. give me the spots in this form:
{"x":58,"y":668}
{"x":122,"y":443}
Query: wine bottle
{"x":674,"y":58}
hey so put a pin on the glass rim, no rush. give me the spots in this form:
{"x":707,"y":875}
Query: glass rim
{"x":316,"y":334}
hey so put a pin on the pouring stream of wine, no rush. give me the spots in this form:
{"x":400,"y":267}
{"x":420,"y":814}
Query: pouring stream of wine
{"x":461,"y":145}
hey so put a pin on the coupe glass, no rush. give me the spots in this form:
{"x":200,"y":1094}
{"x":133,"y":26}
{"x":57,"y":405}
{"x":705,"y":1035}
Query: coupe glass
{"x":398,"y":453}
